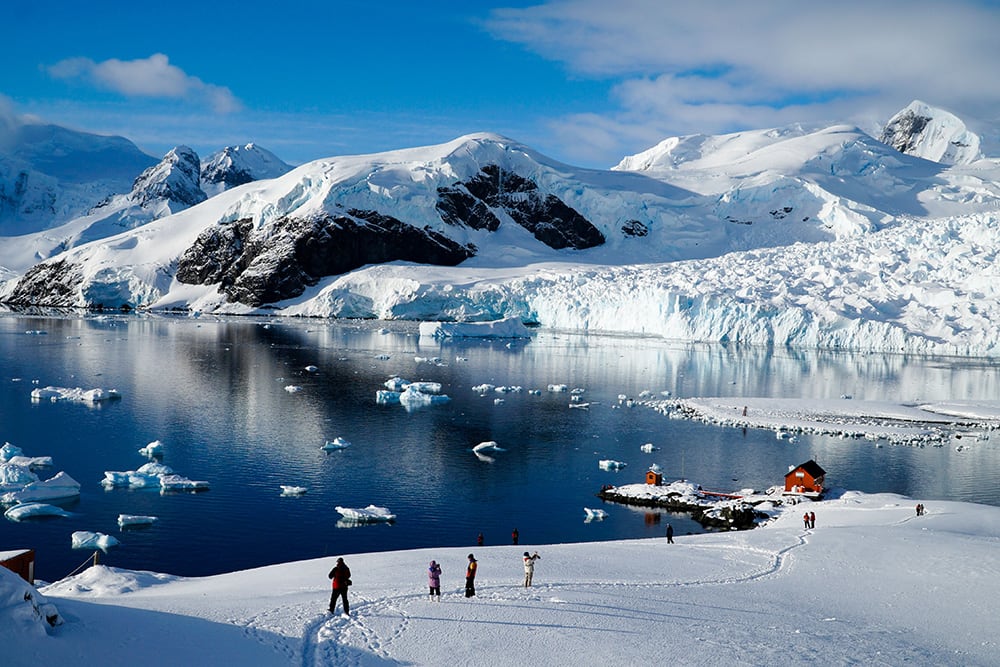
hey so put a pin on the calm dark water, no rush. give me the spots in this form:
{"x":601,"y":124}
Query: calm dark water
{"x":213,"y":392}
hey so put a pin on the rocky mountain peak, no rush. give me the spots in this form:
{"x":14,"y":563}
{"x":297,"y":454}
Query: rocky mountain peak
{"x":931,"y":133}
{"x":237,"y":165}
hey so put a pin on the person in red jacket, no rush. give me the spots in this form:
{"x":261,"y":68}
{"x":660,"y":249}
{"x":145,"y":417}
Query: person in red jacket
{"x":341,"y":575}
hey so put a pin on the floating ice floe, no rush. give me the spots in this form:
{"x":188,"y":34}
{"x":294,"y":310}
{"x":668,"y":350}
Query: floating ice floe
{"x":370,"y":514}
{"x":32,"y":510}
{"x":512,"y":327}
{"x":293,"y":490}
{"x":14,"y":477}
{"x":135,"y":520}
{"x":484,"y":388}
{"x":77,"y":394}
{"x":648,"y":448}
{"x":428,"y":360}
{"x":59,"y":485}
{"x":488,"y":446}
{"x":595,"y":514}
{"x":387,"y":397}
{"x":610,"y":464}
{"x":312,"y":369}
{"x":152,"y":475}
{"x":558,"y":388}
{"x":580,"y":406}
{"x":293,"y":388}
{"x":335,"y":444}
{"x":396,"y":384}
{"x":84,"y":539}
{"x":153,"y":449}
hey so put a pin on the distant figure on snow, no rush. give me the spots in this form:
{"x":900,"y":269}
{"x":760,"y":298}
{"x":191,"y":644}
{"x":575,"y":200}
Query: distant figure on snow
{"x":341,"y":575}
{"x":470,"y":577}
{"x":479,"y":540}
{"x":670,"y":534}
{"x":812,"y":519}
{"x":434,"y":580}
{"x":514,"y":535}
{"x":805,"y":520}
{"x":529,"y":567}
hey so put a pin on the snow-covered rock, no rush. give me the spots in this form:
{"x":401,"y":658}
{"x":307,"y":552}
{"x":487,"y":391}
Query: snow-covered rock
{"x":931,"y":133}
{"x":238,"y":165}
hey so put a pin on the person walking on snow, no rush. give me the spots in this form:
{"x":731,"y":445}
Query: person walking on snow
{"x":470,"y":577}
{"x":670,"y":534}
{"x":529,"y":567}
{"x":434,"y":580}
{"x":341,"y":575}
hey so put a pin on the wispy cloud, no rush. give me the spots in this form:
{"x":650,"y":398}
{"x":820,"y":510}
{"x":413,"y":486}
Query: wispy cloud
{"x":725,"y":65}
{"x":152,"y":77}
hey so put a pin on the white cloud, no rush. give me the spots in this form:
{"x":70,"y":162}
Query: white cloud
{"x":720,"y":66}
{"x":148,"y":77}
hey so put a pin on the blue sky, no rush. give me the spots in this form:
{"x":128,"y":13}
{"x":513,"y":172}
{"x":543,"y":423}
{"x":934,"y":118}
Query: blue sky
{"x":584,"y":81}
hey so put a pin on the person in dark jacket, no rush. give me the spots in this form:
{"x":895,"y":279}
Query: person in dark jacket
{"x":470,"y":577}
{"x":341,"y":576}
{"x":514,"y":536}
{"x":434,"y":580}
{"x":670,"y":534}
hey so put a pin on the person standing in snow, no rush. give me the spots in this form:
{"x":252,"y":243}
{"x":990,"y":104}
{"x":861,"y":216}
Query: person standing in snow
{"x":670,"y":534}
{"x":805,"y":520}
{"x":514,"y":535}
{"x":470,"y":577}
{"x":812,"y":519}
{"x":434,"y":580}
{"x":341,"y":576}
{"x":479,"y":539}
{"x":529,"y":567}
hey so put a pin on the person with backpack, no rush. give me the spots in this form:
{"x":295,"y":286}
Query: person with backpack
{"x":470,"y":577}
{"x":341,"y":576}
{"x":434,"y":580}
{"x":529,"y":567}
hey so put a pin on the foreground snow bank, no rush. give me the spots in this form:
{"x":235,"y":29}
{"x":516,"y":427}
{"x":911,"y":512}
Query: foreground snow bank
{"x":871,"y":584}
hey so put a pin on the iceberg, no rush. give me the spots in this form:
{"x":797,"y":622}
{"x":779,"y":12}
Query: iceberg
{"x":32,"y":510}
{"x":370,"y":514}
{"x":414,"y":398}
{"x":14,"y":477}
{"x":181,"y":483}
{"x":335,"y":444}
{"x":78,"y":395}
{"x":59,"y":485}
{"x":292,"y":490}
{"x":511,"y":327}
{"x":9,"y":451}
{"x":154,"y":448}
{"x":610,"y":464}
{"x":648,"y":448}
{"x":133,"y":520}
{"x":84,"y":539}
{"x":129,"y":479}
{"x":386,"y":397}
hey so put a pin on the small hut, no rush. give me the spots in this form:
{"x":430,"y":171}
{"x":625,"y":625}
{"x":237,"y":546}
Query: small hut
{"x":806,"y":478}
{"x":21,"y":561}
{"x":654,"y":475}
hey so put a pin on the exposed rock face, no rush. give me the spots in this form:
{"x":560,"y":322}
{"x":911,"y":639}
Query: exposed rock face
{"x":53,"y":284}
{"x":254,"y":267}
{"x":546,"y":216}
{"x":903,"y":131}
{"x":634,"y":228}
{"x":931,"y":133}
{"x":175,"y":178}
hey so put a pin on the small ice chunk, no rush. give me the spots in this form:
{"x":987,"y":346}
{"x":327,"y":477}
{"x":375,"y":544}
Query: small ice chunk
{"x":127,"y":520}
{"x":293,"y":388}
{"x":386,"y":397}
{"x":488,"y":446}
{"x":610,"y":464}
{"x":484,"y":388}
{"x":336,"y":443}
{"x":32,"y":510}
{"x":79,"y":395}
{"x":154,"y":448}
{"x":84,"y":539}
{"x":558,"y":388}
{"x":648,"y":448}
{"x":370,"y":514}
{"x":595,"y":514}
{"x":312,"y":369}
{"x":292,"y":490}
{"x":396,"y":384}
{"x":180,"y":483}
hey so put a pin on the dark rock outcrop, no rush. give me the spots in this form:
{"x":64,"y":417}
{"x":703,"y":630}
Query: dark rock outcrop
{"x":255,"y":267}
{"x":52,"y":284}
{"x":904,"y":130}
{"x":634,"y":228}
{"x":176,"y":179}
{"x":547,"y":217}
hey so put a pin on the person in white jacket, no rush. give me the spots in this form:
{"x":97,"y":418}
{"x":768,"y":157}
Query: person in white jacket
{"x":529,"y":567}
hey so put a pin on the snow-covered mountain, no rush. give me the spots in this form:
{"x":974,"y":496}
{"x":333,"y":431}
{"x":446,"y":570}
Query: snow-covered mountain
{"x":931,"y":133}
{"x":50,"y":174}
{"x":818,"y":237}
{"x":238,"y":165}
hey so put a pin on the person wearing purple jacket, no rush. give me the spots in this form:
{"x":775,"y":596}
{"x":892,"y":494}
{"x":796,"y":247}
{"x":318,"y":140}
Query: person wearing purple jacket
{"x":434,"y":580}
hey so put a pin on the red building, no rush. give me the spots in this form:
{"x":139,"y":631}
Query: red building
{"x":807,"y":478}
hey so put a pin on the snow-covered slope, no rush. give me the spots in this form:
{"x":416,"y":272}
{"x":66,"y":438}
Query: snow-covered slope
{"x":50,"y":174}
{"x":931,"y":133}
{"x":237,"y":165}
{"x":815,"y":237}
